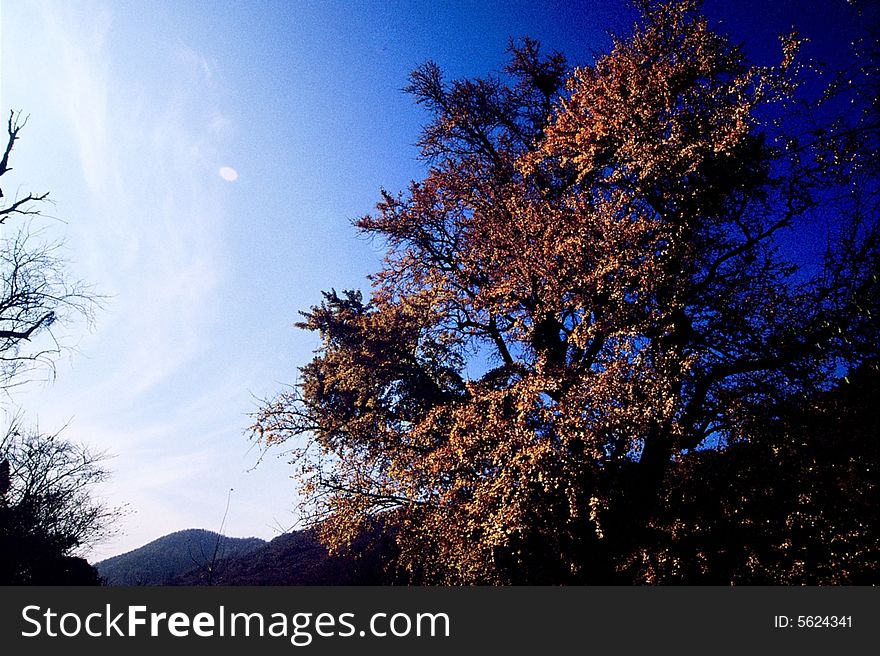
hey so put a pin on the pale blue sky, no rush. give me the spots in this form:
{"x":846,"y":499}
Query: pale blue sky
{"x":135,"y":108}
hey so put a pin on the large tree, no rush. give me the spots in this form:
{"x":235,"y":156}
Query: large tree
{"x":597,"y":279}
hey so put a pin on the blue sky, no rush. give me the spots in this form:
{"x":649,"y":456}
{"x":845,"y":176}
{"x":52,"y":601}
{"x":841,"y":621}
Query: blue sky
{"x":207,"y":159}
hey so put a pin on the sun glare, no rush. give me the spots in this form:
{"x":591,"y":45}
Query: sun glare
{"x":229,"y":174}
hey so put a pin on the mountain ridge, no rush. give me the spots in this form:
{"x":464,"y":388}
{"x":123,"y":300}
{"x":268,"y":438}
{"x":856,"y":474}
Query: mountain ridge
{"x":185,"y":558}
{"x":162,"y":560}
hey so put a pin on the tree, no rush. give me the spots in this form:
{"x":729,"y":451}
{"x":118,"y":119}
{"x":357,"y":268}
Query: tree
{"x":36,"y":292}
{"x":594,"y":283}
{"x":48,"y":513}
{"x":793,"y":505}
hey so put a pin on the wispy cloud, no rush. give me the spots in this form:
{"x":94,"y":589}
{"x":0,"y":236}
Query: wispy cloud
{"x":147,"y":151}
{"x":131,"y":140}
{"x":154,"y":384}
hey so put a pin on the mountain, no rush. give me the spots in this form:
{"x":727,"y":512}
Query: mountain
{"x":298,"y":558}
{"x":161,"y":561}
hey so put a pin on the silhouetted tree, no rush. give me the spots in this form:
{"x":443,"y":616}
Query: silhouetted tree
{"x":36,"y":292}
{"x":792,"y":503}
{"x":594,"y":283}
{"x":47,"y":512}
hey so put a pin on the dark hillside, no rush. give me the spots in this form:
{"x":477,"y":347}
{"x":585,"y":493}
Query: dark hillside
{"x":160,"y":561}
{"x":298,"y":558}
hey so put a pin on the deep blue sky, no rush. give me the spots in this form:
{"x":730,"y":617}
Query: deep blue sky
{"x":136,"y":106}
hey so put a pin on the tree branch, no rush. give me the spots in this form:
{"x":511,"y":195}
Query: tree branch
{"x":13,"y":128}
{"x":26,"y":334}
